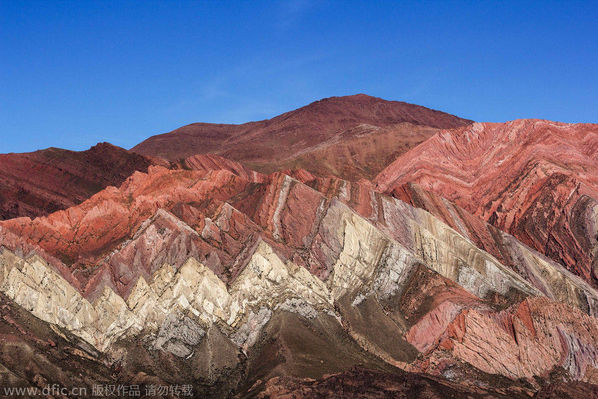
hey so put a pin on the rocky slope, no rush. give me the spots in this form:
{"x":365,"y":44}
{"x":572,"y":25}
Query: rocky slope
{"x":466,"y":269}
{"x":537,"y":180}
{"x":42,"y":182}
{"x":352,"y":137}
{"x":260,"y":285}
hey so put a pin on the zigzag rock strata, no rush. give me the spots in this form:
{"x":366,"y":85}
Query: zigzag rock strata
{"x":268,"y":270}
{"x":465,"y":269}
{"x":534,"y":179}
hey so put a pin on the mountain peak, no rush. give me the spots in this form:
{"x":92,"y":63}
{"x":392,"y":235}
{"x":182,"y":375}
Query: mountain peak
{"x":297,"y":134}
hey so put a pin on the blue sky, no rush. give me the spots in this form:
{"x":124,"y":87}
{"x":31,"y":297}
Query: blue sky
{"x":73,"y":73}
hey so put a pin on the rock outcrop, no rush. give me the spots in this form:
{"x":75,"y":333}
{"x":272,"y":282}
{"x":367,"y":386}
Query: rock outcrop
{"x":537,"y":180}
{"x":113,"y":239}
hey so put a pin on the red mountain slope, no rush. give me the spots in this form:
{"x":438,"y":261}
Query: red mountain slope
{"x":45,"y":181}
{"x":537,"y":180}
{"x":352,"y":137}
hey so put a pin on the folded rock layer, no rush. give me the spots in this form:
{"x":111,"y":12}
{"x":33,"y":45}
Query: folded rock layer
{"x":262,"y":261}
{"x":184,"y":262}
{"x":534,"y":179}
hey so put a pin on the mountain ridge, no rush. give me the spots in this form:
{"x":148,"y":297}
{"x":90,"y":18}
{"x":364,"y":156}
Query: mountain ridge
{"x":302,"y":130}
{"x":44,"y":181}
{"x":339,"y":243}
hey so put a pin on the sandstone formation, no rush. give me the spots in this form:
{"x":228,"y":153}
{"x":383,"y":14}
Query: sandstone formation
{"x":118,"y":238}
{"x":352,"y":137}
{"x":459,"y":229}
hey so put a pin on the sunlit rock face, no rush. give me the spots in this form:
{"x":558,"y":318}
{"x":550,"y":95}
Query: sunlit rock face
{"x":534,"y":179}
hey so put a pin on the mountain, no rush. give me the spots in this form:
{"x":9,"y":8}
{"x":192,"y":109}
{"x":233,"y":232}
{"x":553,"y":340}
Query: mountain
{"x":537,"y":180}
{"x":256,"y":285}
{"x":42,"y":182}
{"x":351,"y":137}
{"x":380,"y":250}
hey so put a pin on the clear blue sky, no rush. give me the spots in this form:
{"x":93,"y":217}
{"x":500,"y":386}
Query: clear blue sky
{"x":73,"y":73}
